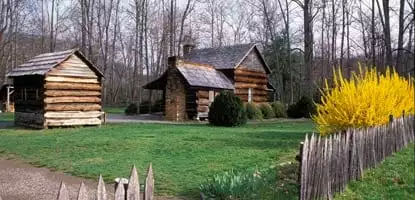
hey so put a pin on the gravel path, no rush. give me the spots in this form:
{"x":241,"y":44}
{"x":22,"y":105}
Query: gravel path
{"x":145,"y":118}
{"x":21,"y":181}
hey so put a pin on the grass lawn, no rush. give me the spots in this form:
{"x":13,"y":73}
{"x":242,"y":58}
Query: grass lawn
{"x":393,"y":179}
{"x":6,"y":117}
{"x":183,"y":156}
{"x":114,"y":109}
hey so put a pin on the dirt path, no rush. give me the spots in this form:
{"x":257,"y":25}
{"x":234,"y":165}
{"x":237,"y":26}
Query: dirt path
{"x":21,"y":181}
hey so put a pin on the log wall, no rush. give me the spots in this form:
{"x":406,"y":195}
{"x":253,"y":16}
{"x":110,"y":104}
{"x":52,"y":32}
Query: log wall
{"x":203,"y":102}
{"x":248,"y":77}
{"x":72,"y":95}
{"x":191,"y":103}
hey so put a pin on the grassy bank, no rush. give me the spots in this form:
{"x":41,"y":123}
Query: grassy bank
{"x":392,"y":179}
{"x":183,"y":156}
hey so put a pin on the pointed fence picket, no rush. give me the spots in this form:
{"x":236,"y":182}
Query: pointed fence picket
{"x":132,"y":193}
{"x":328,"y":163}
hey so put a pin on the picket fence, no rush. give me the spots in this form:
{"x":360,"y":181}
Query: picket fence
{"x":328,"y":163}
{"x":122,"y":192}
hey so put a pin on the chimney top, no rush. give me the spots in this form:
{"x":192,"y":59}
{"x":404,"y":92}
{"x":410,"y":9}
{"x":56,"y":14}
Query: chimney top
{"x":188,"y":44}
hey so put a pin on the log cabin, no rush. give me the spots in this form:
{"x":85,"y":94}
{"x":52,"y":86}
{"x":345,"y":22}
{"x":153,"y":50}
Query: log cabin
{"x":57,"y":89}
{"x":192,"y":81}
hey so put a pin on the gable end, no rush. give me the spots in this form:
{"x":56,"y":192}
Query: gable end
{"x":253,"y":60}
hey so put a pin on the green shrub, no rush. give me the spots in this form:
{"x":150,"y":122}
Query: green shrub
{"x":241,"y":184}
{"x":252,"y":111}
{"x":266,"y":110}
{"x":227,"y":110}
{"x":279,"y":109}
{"x":145,"y":107}
{"x":303,"y":108}
{"x":131,"y":109}
{"x":157,"y":106}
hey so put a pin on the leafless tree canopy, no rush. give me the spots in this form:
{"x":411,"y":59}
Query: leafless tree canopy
{"x":130,"y":40}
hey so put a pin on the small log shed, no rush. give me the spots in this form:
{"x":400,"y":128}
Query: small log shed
{"x":57,"y":89}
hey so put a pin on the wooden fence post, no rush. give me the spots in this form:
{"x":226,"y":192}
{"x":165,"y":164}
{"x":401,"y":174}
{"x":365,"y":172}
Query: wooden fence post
{"x":101,"y":192}
{"x":120,"y":192}
{"x":299,"y":158}
{"x":328,"y":164}
{"x":82,"y":194}
{"x":149,"y":187}
{"x":133,"y":191}
{"x":63,"y":192}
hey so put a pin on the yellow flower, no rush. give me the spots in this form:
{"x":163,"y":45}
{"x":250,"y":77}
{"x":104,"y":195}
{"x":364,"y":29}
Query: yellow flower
{"x":367,"y":99}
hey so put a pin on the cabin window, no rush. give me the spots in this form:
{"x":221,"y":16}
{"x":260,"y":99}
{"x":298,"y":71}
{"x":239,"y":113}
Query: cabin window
{"x":211,"y":96}
{"x":250,"y":95}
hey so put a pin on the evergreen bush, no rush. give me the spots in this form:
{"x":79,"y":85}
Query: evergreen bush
{"x":303,"y":108}
{"x":227,"y":110}
{"x":157,"y":106}
{"x":131,"y":109}
{"x":145,"y":107}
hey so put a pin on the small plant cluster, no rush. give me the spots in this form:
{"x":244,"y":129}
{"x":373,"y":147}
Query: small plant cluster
{"x":303,"y":108}
{"x":265,"y":110}
{"x":367,"y":99}
{"x":274,"y":182}
{"x":239,"y":184}
{"x":145,"y":107}
{"x":227,"y":110}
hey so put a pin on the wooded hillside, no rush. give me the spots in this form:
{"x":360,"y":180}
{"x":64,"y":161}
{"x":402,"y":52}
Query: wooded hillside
{"x":130,"y":40}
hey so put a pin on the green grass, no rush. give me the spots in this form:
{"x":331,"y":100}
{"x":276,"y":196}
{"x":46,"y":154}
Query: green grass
{"x":183,"y":156}
{"x":114,"y":109}
{"x":6,"y":117}
{"x":393,"y":179}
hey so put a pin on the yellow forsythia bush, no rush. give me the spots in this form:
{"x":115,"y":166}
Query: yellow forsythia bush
{"x":367,"y":99}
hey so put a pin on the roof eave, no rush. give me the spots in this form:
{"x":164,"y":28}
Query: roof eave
{"x":89,"y":63}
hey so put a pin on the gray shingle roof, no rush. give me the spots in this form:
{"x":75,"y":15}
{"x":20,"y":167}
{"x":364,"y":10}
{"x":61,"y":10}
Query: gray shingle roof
{"x":200,"y":76}
{"x":226,"y":57}
{"x":41,"y":64}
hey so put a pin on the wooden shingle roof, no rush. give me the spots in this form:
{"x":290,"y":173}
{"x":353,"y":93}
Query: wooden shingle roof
{"x":200,"y":76}
{"x":43,"y":63}
{"x":226,"y":57}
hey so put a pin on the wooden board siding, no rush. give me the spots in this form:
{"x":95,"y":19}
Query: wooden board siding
{"x":249,"y":77}
{"x":253,"y":62}
{"x":72,"y":95}
{"x":74,"y":67}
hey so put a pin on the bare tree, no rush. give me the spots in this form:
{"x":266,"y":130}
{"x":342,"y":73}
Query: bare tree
{"x":187,"y":10}
{"x":399,"y":58}
{"x":306,"y":6}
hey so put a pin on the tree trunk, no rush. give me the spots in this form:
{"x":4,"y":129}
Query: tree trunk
{"x":399,"y":58}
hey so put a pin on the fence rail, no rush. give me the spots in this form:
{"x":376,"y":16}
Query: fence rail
{"x":328,"y":163}
{"x":122,"y":191}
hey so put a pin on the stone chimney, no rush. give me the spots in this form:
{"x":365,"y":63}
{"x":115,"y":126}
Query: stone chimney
{"x":188,"y":45}
{"x":171,"y":62}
